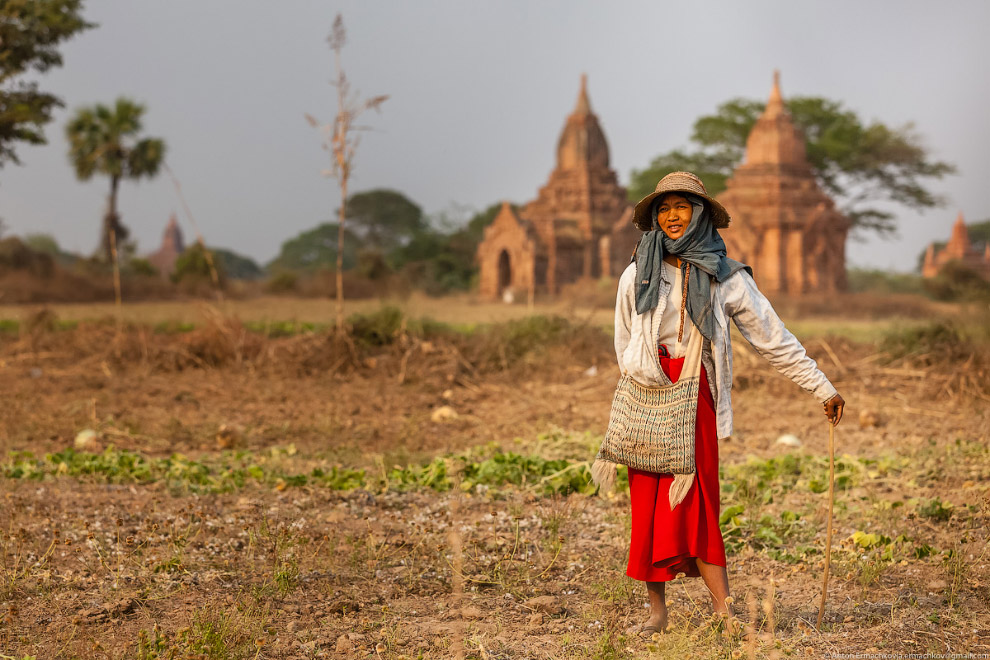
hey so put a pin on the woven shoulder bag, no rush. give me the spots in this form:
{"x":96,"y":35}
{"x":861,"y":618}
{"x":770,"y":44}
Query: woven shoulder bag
{"x":653,"y":428}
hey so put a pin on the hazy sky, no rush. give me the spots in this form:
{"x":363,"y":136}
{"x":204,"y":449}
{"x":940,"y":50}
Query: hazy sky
{"x":479,"y":93}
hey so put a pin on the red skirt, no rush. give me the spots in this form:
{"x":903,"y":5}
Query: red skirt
{"x":666,"y":543}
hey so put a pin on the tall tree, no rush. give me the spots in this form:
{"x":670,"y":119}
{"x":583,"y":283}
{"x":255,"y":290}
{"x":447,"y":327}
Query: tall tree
{"x":340,"y":140}
{"x":46,"y":243}
{"x":442,"y":257}
{"x":105,"y":140}
{"x":30,"y":33}
{"x":862,"y":165}
{"x":384,"y":219}
{"x":315,"y":248}
{"x":236,"y":266}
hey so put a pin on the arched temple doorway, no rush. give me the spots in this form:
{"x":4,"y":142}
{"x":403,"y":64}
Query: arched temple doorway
{"x":504,"y":272}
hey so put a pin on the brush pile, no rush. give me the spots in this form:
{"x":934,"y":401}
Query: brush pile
{"x":385,"y":340}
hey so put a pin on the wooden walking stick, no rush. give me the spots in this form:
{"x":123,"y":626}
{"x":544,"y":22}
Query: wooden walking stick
{"x":828,"y":532}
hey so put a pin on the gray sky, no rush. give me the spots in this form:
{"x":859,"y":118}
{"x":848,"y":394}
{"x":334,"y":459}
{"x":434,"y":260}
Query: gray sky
{"x":479,"y":93}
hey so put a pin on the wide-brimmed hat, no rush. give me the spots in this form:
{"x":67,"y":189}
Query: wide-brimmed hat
{"x":679,"y":182}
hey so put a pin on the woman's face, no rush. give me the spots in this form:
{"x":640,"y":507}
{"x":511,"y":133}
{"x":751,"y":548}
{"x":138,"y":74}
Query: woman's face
{"x":674,"y":215}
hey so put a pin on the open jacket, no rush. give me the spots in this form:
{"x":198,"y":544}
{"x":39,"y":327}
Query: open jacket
{"x":737,"y":298}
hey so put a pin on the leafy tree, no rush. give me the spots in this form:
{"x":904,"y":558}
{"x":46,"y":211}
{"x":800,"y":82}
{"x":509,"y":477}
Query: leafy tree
{"x":437,"y":262}
{"x":30,"y":33}
{"x":384,"y":219}
{"x":104,"y":140}
{"x":46,"y":244}
{"x":442,"y":260}
{"x":236,"y":266}
{"x":42,"y":243}
{"x":192,"y":264}
{"x":860,"y":165}
{"x":141,"y":266}
{"x":315,"y":248}
{"x":979,"y":232}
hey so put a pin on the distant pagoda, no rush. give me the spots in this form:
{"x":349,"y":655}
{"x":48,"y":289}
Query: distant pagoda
{"x":172,"y":246}
{"x":960,"y":249}
{"x":783,"y":224}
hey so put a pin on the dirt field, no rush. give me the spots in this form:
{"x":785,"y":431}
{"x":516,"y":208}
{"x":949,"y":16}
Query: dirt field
{"x":416,"y":491}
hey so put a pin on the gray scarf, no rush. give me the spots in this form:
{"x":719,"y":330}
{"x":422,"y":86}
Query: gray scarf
{"x":702,"y":247}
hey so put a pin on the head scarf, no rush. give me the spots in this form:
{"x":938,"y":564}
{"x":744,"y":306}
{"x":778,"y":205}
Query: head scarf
{"x":702,"y":247}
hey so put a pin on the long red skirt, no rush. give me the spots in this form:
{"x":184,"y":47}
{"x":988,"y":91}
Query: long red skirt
{"x":667,"y":543}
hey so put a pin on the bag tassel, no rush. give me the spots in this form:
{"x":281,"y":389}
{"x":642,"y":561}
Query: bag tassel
{"x":679,"y":488}
{"x":603,"y":473}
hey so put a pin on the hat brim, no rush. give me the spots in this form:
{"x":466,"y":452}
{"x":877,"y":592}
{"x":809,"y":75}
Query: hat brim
{"x":643,"y":221}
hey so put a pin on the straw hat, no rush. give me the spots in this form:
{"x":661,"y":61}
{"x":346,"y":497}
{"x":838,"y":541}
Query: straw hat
{"x":679,"y":182}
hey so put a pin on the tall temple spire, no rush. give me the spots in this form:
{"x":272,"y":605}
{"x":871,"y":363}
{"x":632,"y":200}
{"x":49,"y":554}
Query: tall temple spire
{"x":775,"y":139}
{"x":583,"y":106}
{"x":958,"y":244}
{"x":582,"y":143}
{"x":172,"y":236}
{"x":172,"y":246}
{"x":775,"y":104}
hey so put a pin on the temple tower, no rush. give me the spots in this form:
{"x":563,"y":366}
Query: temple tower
{"x":959,"y":248}
{"x":783,"y":224}
{"x":172,"y":246}
{"x":570,"y":230}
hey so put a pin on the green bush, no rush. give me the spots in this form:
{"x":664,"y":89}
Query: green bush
{"x":16,"y":256}
{"x":957,"y":282}
{"x":193,"y":265}
{"x":378,"y":328}
{"x":141,"y":267}
{"x":936,"y":509}
{"x":938,"y":338}
{"x":282,"y":282}
{"x":879,"y":281}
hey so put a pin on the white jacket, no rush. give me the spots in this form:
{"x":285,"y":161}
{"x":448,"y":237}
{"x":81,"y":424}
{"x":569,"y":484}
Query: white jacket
{"x":737,"y":298}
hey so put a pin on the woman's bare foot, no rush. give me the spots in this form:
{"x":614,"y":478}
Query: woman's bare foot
{"x":657,"y":623}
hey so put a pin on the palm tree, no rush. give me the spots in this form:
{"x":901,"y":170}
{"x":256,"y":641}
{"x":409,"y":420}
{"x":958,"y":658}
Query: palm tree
{"x":105,"y":140}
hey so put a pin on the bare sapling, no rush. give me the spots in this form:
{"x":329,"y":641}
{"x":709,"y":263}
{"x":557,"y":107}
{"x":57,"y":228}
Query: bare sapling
{"x":341,"y":140}
{"x":118,"y":302}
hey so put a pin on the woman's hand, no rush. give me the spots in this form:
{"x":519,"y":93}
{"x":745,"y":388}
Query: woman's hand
{"x":833,"y":409}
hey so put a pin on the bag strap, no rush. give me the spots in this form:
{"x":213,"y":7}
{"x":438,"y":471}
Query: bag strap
{"x":692,"y":359}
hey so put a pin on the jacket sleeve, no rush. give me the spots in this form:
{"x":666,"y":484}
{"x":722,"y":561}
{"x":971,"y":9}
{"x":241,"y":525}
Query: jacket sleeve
{"x":760,"y":326}
{"x":624,"y":307}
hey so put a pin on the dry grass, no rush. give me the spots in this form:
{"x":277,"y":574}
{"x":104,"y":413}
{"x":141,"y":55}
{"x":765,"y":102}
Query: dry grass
{"x":463,"y":310}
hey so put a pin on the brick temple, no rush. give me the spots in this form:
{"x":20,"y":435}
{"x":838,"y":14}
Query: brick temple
{"x":959,"y":248}
{"x":172,"y":246}
{"x":579,"y":225}
{"x":783,"y":224}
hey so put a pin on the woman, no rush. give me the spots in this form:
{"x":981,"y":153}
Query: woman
{"x":673,"y":305}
